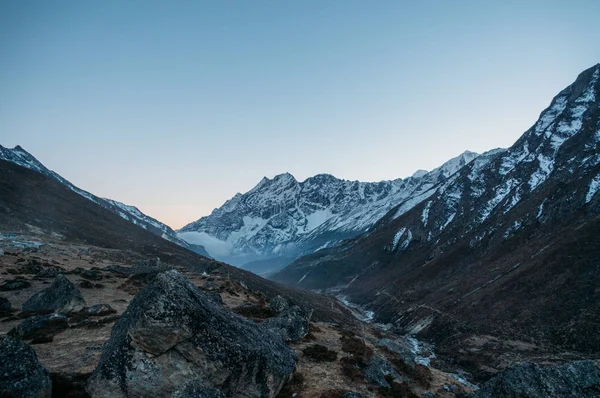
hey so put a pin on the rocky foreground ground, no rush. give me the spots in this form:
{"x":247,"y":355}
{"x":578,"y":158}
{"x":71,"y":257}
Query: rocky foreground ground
{"x":80,"y":320}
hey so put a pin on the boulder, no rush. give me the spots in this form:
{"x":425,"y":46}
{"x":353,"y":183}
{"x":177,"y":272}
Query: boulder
{"x":197,"y":389}
{"x":291,"y":325}
{"x":61,"y":296}
{"x":14,"y":284}
{"x":172,"y":333}
{"x":41,"y":328}
{"x":21,"y":374}
{"x":278,"y":304}
{"x":376,"y":371}
{"x":99,"y":310}
{"x":5,"y":307}
{"x":527,"y":380}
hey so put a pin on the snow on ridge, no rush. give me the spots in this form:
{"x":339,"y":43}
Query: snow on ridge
{"x":546,"y":166}
{"x":425,"y":214}
{"x":593,"y":188}
{"x":501,"y":191}
{"x":402,"y":233}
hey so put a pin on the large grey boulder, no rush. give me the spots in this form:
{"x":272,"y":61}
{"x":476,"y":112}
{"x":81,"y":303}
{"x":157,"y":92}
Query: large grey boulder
{"x":579,"y":379}
{"x":172,"y":333}
{"x":291,"y":325}
{"x":61,"y":296}
{"x":21,"y":374}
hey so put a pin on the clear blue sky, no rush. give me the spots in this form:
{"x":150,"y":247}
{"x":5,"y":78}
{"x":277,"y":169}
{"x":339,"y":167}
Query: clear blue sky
{"x":174,"y":106}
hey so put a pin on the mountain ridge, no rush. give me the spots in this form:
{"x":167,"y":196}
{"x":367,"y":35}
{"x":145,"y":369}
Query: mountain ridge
{"x":504,"y":247}
{"x":283,"y":217}
{"x":21,"y":157}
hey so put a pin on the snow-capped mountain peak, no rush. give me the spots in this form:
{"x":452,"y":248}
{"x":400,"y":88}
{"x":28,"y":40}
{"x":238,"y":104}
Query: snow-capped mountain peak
{"x":283,"y":218}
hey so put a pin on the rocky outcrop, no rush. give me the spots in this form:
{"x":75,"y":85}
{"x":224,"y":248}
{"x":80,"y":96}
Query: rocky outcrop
{"x":292,"y":324}
{"x":172,"y":333}
{"x":21,"y":374}
{"x":577,"y":379}
{"x":61,"y":296}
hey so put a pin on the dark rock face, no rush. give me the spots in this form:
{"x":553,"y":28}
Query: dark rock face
{"x":569,"y":380}
{"x":172,"y":333}
{"x":278,"y":304}
{"x":291,"y":325}
{"x":99,"y":310}
{"x":61,"y":296}
{"x":21,"y":375}
{"x":41,"y":328}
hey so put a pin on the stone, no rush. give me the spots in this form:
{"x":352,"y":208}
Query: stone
{"x":14,"y":284}
{"x":196,"y":389}
{"x":579,"y":379}
{"x":5,"y":307}
{"x":172,"y":333}
{"x":21,"y":374}
{"x":99,"y":310}
{"x":42,"y":327}
{"x":61,"y":296}
{"x":278,"y":304}
{"x":377,"y":369}
{"x":292,"y":324}
{"x":400,"y":347}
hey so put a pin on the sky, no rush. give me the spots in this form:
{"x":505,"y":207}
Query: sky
{"x":175,"y":106}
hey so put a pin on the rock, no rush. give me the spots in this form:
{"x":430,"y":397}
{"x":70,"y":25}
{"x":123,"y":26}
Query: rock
{"x":14,"y":284}
{"x":215,"y":297}
{"x":376,"y":371}
{"x":42,"y":327}
{"x":292,"y":324}
{"x":428,"y":395}
{"x":48,"y":272}
{"x":99,"y":310}
{"x":172,"y":333}
{"x":352,"y":394}
{"x":400,"y":347}
{"x":527,"y":380}
{"x":61,"y":296}
{"x":21,"y":374}
{"x":196,"y":389}
{"x":90,"y":274}
{"x":86,"y":285}
{"x":211,"y":286}
{"x":5,"y":307}
{"x":278,"y":304}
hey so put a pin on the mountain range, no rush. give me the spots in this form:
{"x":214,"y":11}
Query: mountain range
{"x":508,"y":245}
{"x":21,"y":157}
{"x":281,"y":219}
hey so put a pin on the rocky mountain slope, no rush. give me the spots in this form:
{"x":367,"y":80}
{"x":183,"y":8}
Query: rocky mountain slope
{"x":132,"y":214}
{"x":508,"y":246}
{"x":281,"y":218}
